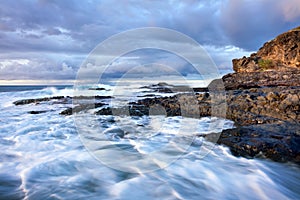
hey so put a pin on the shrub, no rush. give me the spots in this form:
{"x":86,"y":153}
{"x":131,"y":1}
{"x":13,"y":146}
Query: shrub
{"x":265,"y":64}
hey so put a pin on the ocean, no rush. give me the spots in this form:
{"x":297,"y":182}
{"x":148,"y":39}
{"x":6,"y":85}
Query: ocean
{"x":88,"y":156}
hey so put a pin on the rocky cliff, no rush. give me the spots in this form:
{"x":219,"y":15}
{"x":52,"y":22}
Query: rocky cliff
{"x":264,"y":101}
{"x":279,"y":54}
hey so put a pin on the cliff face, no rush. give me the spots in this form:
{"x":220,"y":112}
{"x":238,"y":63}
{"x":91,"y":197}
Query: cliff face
{"x":280,"y":54}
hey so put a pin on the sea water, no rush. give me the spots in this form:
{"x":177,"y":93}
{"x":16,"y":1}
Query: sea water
{"x":48,"y":156}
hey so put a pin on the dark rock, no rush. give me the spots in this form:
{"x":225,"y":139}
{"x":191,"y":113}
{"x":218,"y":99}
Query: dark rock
{"x":201,"y":89}
{"x":82,"y":107}
{"x":165,"y":88}
{"x":104,"y":111}
{"x":245,"y":107}
{"x":247,"y":80}
{"x":100,"y":89}
{"x":148,"y":95}
{"x":37,"y":112}
{"x":59,"y":99}
{"x":38,"y":100}
{"x":279,"y":142}
{"x":97,"y":97}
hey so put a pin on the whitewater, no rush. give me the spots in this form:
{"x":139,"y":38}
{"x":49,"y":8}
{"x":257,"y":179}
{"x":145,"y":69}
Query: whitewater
{"x":46,"y":156}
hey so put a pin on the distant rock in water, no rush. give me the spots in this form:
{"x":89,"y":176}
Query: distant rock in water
{"x":99,"y":89}
{"x":35,"y":112}
{"x":280,"y":54}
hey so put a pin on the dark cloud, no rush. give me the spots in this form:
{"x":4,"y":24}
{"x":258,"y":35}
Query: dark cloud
{"x":227,"y":28}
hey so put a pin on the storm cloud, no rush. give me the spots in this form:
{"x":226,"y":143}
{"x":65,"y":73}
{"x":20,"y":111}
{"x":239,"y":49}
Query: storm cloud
{"x":49,"y":39}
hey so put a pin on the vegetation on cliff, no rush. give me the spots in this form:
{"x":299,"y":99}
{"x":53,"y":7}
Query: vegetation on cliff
{"x":280,"y":54}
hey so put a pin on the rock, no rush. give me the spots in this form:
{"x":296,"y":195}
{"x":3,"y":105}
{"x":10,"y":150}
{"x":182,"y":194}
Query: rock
{"x":271,"y":96}
{"x":262,"y":97}
{"x":245,"y":107}
{"x":37,"y":112}
{"x":279,"y":54}
{"x":291,"y":99}
{"x":163,"y":87}
{"x":279,"y":142}
{"x":148,"y":95}
{"x":115,"y":133}
{"x":59,"y":99}
{"x":100,"y":89}
{"x":252,"y":80}
{"x":38,"y":100}
{"x":104,"y":111}
{"x":82,"y":107}
{"x":200,"y":89}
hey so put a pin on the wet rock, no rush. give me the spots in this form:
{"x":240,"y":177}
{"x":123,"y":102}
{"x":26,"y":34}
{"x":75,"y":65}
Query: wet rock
{"x":149,"y":95}
{"x":97,"y":97}
{"x":115,"y":133}
{"x":163,"y":87}
{"x":278,"y":141}
{"x":205,"y":89}
{"x":59,"y":99}
{"x":38,"y":100}
{"x":34,"y":112}
{"x":245,"y":107}
{"x":104,"y":111}
{"x":99,"y":89}
{"x":82,"y":107}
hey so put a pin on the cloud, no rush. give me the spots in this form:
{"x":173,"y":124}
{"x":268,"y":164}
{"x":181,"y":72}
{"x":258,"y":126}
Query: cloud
{"x":291,"y":10}
{"x":52,"y":31}
{"x":36,"y":68}
{"x":248,"y":24}
{"x":35,"y":30}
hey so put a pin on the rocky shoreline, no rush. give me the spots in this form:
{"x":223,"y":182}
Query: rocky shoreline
{"x":266,"y":118}
{"x":269,"y":88}
{"x":262,"y":98}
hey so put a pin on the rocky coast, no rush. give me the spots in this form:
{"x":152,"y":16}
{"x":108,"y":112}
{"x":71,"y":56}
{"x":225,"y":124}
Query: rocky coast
{"x":267,"y":89}
{"x":262,"y":97}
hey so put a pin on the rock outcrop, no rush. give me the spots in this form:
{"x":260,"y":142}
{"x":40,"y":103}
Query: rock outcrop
{"x":267,"y":89}
{"x":279,"y":142}
{"x":280,"y":54}
{"x":246,"y":80}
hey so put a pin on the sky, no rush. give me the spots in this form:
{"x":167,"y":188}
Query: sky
{"x":48,"y":40}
